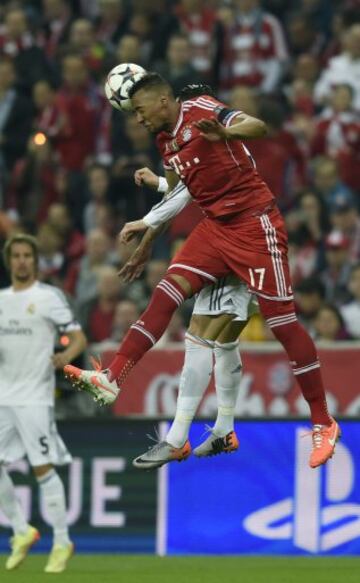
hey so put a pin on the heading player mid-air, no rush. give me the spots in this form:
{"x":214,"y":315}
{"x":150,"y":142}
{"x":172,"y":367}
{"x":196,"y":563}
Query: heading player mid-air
{"x":243,"y":232}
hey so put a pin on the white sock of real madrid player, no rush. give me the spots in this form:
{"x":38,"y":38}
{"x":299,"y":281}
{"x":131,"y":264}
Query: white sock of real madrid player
{"x":10,"y":505}
{"x":228,"y":371}
{"x":53,"y":498}
{"x":195,"y":377}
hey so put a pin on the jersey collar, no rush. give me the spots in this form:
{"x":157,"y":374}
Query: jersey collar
{"x":179,"y":121}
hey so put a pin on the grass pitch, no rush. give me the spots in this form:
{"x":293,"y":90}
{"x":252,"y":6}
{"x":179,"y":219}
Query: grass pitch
{"x":149,"y":569}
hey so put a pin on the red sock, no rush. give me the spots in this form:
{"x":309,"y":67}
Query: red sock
{"x":142,"y":336}
{"x":304,"y":362}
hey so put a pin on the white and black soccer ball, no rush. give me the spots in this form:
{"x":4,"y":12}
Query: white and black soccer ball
{"x":118,"y":83}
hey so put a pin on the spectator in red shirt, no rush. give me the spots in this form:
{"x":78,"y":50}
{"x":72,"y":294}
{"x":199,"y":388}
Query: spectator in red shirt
{"x":199,"y":22}
{"x":83,"y":104}
{"x":278,"y":158}
{"x":254,"y":49}
{"x":97,"y":316}
{"x":57,"y":16}
{"x":337,"y":134}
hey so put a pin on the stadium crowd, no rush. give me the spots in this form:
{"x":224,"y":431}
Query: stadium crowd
{"x":67,"y":158}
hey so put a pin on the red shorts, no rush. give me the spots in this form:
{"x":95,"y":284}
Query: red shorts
{"x":254,"y":247}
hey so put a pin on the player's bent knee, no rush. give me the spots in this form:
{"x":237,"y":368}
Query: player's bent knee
{"x":192,"y":281}
{"x":182,"y":282}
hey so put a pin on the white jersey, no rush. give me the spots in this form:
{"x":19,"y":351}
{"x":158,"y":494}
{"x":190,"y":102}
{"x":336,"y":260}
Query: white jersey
{"x":29,"y":321}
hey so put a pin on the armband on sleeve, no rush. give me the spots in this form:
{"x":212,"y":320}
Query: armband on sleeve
{"x":226,"y":115}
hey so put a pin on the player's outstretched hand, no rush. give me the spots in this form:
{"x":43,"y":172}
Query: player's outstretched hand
{"x":134,"y":267}
{"x":211,"y":129}
{"x":145,"y":176}
{"x":129,"y":230}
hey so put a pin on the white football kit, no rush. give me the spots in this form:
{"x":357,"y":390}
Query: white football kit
{"x":29,"y":322}
{"x":229,"y":295}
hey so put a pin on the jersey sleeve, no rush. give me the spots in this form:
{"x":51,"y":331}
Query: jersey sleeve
{"x":170,"y":206}
{"x":60,"y":312}
{"x":208,"y":106}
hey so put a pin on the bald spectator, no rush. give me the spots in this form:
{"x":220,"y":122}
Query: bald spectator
{"x":126,"y":314}
{"x":344,"y":68}
{"x":97,"y":315}
{"x":81,"y":280}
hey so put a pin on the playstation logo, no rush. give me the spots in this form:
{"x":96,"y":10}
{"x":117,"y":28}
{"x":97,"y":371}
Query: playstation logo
{"x":320,"y":516}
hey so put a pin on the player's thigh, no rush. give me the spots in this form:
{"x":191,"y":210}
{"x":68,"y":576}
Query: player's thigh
{"x":37,"y":428}
{"x":10,"y":445}
{"x":208,"y":327}
{"x":199,"y":259}
{"x":255,"y":249}
{"x":232,"y":331}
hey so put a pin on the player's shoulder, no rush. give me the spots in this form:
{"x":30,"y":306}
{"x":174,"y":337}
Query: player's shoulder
{"x":202,"y":102}
{"x":50,"y":292}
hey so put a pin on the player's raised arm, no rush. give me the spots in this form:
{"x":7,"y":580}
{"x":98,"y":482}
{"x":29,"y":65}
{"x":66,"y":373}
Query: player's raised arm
{"x":240,"y":126}
{"x":169,"y":207}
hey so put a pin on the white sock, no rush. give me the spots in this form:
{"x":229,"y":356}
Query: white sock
{"x":195,"y":377}
{"x":53,"y":497}
{"x":10,"y":505}
{"x":228,"y":371}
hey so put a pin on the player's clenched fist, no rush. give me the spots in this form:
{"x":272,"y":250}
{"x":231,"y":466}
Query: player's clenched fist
{"x":129,"y":230}
{"x":144,"y":176}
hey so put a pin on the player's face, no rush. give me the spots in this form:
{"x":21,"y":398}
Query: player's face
{"x":151,"y":111}
{"x":22,"y":262}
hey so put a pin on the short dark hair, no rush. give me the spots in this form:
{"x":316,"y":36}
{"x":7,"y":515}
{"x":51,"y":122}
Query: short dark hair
{"x":150,"y":81}
{"x":195,"y":90}
{"x":20,"y":238}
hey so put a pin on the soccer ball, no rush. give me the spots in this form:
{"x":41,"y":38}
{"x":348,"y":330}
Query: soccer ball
{"x":120,"y":79}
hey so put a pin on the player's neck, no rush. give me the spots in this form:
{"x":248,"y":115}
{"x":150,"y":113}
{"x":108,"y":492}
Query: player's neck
{"x":18,"y":285}
{"x":174,"y":115}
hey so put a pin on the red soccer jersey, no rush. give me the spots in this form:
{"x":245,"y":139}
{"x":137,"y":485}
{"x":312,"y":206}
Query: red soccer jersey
{"x":221,"y":176}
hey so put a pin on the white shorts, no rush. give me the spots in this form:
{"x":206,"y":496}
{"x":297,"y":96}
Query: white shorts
{"x":228,"y":295}
{"x":31,"y":431}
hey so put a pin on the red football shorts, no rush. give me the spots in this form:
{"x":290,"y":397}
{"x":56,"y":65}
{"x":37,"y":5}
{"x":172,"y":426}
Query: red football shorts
{"x":251,"y":245}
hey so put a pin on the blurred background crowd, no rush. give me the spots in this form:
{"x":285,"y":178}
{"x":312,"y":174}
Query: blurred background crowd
{"x":67,"y":158}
